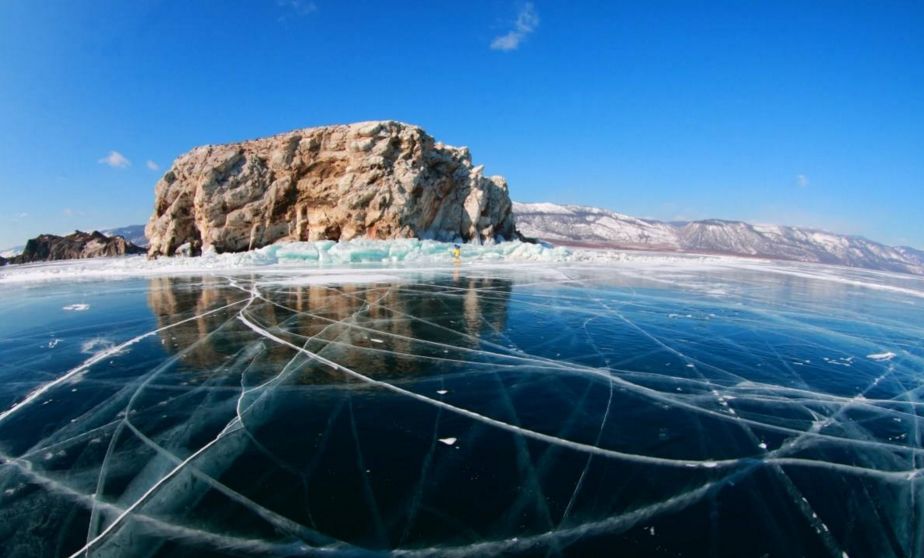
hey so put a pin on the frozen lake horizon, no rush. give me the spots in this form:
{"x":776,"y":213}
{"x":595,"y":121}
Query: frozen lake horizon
{"x":527,"y":404}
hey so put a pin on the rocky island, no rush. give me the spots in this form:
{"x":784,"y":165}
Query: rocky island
{"x":78,"y":245}
{"x":380,"y":180}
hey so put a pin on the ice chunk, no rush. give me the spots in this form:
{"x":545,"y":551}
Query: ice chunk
{"x":881,"y":357}
{"x":448,"y":441}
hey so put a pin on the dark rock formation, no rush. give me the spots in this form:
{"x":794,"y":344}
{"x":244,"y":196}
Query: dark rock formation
{"x":78,"y":245}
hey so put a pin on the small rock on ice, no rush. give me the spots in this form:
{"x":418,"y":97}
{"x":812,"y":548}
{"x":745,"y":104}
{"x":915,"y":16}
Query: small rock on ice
{"x":448,"y":441}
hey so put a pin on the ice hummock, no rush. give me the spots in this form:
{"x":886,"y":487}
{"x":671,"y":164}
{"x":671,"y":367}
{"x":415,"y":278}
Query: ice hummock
{"x":324,"y":254}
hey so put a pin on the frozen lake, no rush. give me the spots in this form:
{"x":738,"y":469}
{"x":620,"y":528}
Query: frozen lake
{"x":664,"y":408}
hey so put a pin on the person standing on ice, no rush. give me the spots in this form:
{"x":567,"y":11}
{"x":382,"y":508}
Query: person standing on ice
{"x":456,"y":252}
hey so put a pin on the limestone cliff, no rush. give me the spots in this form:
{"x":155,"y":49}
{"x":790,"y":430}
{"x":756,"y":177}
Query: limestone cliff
{"x":372,"y":179}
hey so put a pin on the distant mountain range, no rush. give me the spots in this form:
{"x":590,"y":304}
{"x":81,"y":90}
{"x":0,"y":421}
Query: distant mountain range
{"x":593,"y":227}
{"x":131,"y":233}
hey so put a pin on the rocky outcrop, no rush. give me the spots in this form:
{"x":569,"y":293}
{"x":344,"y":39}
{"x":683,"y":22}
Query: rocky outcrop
{"x":78,"y":245}
{"x":373,"y":179}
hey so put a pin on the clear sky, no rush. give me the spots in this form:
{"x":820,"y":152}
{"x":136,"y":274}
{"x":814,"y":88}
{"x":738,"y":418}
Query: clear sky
{"x":803,"y":112}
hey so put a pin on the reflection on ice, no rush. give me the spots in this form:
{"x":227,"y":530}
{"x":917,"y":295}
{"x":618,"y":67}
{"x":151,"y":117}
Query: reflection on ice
{"x":468,"y":411}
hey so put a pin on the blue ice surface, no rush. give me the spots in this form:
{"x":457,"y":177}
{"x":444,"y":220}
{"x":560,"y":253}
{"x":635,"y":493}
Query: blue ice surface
{"x":545,"y":410}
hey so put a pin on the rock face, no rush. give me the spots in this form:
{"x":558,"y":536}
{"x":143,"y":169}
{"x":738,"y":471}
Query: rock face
{"x":47,"y":247}
{"x":373,"y":179}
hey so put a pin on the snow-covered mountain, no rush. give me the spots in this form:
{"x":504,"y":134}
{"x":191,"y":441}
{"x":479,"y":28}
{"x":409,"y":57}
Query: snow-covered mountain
{"x":574,"y":224}
{"x":131,"y":233}
{"x":11,"y":252}
{"x":916,"y":256}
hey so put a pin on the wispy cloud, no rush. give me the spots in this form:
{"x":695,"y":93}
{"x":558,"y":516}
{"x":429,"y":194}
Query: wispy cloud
{"x":802,"y":181}
{"x":526,"y":23}
{"x":297,"y":7}
{"x":152,"y":165}
{"x":116,"y":160}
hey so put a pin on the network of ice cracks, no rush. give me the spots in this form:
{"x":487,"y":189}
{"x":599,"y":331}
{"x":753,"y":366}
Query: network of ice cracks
{"x":362,"y":326}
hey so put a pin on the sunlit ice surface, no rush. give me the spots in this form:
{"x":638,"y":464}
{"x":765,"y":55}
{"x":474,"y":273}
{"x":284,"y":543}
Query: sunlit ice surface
{"x":553,"y":409}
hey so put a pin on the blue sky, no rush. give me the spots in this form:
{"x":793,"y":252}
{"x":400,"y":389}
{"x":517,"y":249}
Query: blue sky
{"x":805,"y":113}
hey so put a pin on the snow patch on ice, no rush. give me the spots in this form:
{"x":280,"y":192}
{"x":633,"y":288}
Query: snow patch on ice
{"x":76,"y":307}
{"x":448,"y":441}
{"x":91,"y":346}
{"x":881,"y":357}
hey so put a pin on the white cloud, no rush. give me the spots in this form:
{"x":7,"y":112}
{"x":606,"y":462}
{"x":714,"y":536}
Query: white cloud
{"x":152,"y":165}
{"x":299,"y":7}
{"x":526,"y":23}
{"x":116,"y":160}
{"x":802,"y":181}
